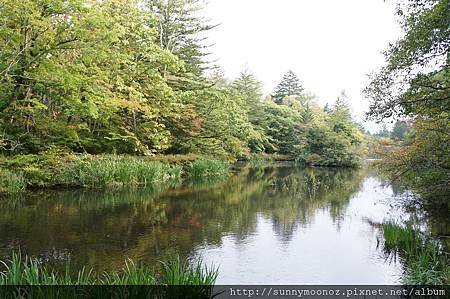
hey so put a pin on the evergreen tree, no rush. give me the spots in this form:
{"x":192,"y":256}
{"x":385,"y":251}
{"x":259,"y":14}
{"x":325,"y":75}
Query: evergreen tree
{"x":249,"y":87}
{"x":289,"y":86}
{"x":179,"y":27}
{"x":400,"y":130}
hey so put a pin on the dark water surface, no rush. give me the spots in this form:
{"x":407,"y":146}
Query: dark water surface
{"x":276,"y":225}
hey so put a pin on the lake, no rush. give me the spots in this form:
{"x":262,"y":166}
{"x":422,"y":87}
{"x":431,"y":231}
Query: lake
{"x":275,"y":225}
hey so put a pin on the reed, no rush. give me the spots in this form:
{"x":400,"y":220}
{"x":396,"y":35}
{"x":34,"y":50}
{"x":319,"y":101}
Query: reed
{"x":425,"y":262}
{"x":402,"y":237}
{"x":207,"y":167}
{"x":120,"y":170}
{"x":11,"y":182}
{"x":24,"y":270}
{"x":177,"y":272}
{"x":259,"y":160}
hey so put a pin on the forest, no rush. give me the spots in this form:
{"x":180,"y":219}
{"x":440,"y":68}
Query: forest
{"x":132,"y":77}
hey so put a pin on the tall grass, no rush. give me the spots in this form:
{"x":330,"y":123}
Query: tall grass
{"x":177,"y":272}
{"x":425,"y":262}
{"x":428,"y":266}
{"x":258,"y":160}
{"x":401,"y":237}
{"x":21,"y":270}
{"x":11,"y":182}
{"x":54,"y":169}
{"x":206,"y":167}
{"x":120,"y":170}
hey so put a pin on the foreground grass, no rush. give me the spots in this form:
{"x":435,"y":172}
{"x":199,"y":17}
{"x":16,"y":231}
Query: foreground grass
{"x":28,"y":271}
{"x":56,"y":168}
{"x":425,"y":262}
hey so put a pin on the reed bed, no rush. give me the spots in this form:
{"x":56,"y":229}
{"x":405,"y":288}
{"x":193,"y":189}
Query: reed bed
{"x":425,"y":261}
{"x":207,"y":167}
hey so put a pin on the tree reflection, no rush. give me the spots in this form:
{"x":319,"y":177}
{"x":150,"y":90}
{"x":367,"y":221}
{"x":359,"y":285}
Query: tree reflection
{"x":99,"y":229}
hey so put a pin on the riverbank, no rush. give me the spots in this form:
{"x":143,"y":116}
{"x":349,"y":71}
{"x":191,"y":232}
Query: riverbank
{"x":56,"y":169}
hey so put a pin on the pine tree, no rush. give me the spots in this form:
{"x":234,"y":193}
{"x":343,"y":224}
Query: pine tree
{"x":249,"y":87}
{"x":290,"y":85}
{"x":401,"y":128}
{"x":180,"y":25}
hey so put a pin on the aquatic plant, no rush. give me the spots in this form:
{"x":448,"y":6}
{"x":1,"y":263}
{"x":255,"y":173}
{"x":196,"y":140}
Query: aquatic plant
{"x":25,"y":270}
{"x":425,"y":262}
{"x":131,"y":274}
{"x":11,"y":182}
{"x":429,"y":266}
{"x":177,"y":272}
{"x":257,"y":160}
{"x":402,"y":237}
{"x":123,"y":170}
{"x":207,"y":167}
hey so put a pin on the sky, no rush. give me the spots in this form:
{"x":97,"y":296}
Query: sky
{"x":332,"y":45}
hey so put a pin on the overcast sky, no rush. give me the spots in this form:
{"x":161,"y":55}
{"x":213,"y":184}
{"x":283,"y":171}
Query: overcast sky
{"x":330,"y":44}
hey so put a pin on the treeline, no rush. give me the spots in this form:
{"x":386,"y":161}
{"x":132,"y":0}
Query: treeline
{"x":415,"y":84}
{"x":132,"y":77}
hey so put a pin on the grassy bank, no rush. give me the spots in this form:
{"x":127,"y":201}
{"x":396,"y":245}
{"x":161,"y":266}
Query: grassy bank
{"x":60,"y":169}
{"x":25,"y":270}
{"x":426,"y":263}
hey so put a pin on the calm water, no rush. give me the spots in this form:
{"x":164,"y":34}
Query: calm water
{"x":276,"y":225}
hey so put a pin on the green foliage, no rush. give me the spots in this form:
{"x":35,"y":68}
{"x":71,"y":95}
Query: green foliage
{"x":426,"y":264}
{"x":289,"y":86}
{"x":401,"y":128}
{"x":177,"y":272}
{"x":400,"y":237}
{"x":260,"y":160}
{"x":58,"y":168}
{"x":415,"y":83}
{"x":179,"y":23}
{"x":11,"y":182}
{"x":126,"y":77}
{"x":113,"y":170}
{"x":217,"y":124}
{"x":283,"y":127}
{"x":428,"y":267}
{"x":29,"y":271}
{"x":83,"y":74}
{"x":202,"y":168}
{"x":334,"y":139}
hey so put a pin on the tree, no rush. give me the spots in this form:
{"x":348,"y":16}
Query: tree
{"x":401,"y":128}
{"x":289,"y":86}
{"x":415,"y":83}
{"x":383,"y":132}
{"x":86,"y":75}
{"x":180,"y":27}
{"x":249,"y":87}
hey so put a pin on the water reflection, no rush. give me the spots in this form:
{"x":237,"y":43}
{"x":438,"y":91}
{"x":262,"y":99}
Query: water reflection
{"x":262,"y":225}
